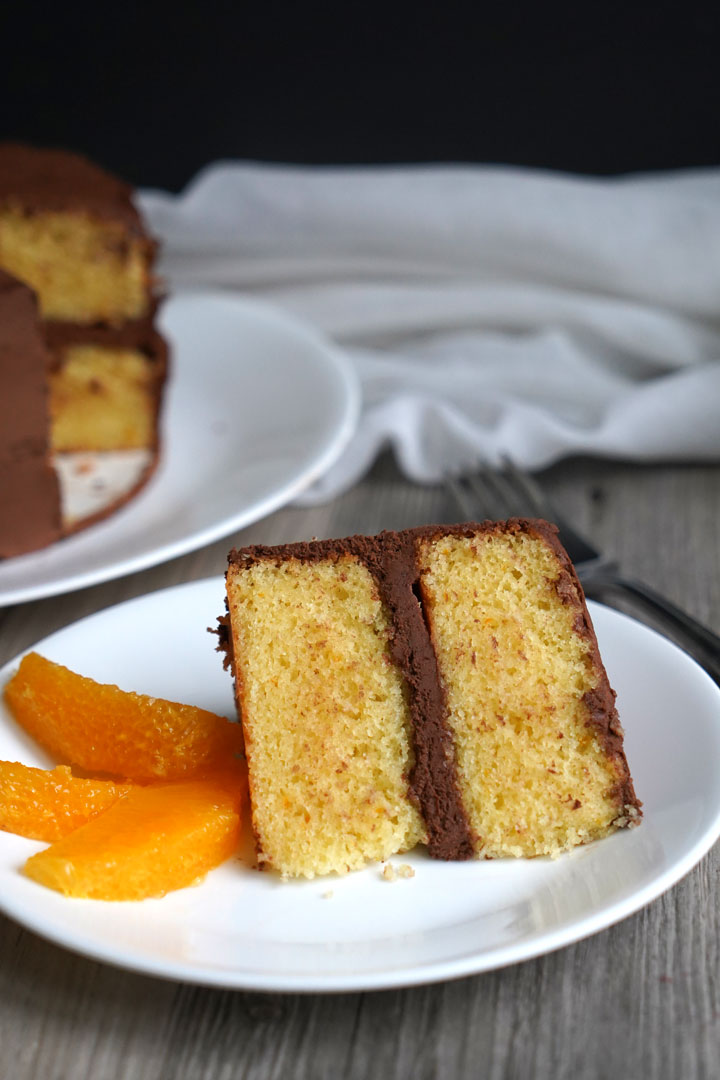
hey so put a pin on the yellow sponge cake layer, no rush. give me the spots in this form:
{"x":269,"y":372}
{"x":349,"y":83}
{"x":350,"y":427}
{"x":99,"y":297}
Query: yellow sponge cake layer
{"x":104,"y":399}
{"x":83,"y":269}
{"x":535,"y":776}
{"x":325,"y":715}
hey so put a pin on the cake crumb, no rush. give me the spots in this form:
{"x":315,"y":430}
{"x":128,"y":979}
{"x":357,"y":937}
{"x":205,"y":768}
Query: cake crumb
{"x":391,"y":873}
{"x":328,"y":895}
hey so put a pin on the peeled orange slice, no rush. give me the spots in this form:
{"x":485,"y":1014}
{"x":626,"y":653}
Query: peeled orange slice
{"x":102,"y":729}
{"x":46,"y":804}
{"x":153,"y":840}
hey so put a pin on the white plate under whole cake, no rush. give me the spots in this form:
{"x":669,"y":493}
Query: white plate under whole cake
{"x":257,"y":407}
{"x":241,"y":928}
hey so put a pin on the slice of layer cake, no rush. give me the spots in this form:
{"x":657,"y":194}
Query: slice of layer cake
{"x":441,"y":684}
{"x":29,"y":493}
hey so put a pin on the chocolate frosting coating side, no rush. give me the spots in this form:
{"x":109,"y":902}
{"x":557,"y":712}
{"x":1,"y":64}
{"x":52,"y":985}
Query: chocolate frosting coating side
{"x":29,"y":490}
{"x":432,"y":785}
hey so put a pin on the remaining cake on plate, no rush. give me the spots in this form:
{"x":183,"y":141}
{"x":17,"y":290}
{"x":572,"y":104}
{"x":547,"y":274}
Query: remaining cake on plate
{"x":441,"y":684}
{"x":70,"y":232}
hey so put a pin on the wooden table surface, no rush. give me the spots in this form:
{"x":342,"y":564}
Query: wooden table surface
{"x":640,"y":1000}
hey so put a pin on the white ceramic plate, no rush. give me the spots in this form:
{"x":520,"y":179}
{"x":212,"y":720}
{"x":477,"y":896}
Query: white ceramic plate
{"x":257,"y":408}
{"x":245,"y":929}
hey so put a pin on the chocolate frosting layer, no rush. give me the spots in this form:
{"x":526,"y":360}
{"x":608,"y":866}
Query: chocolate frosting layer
{"x":29,"y":490}
{"x":46,"y":179}
{"x":131,"y":334}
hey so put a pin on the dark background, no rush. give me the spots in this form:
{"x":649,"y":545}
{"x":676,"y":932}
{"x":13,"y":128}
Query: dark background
{"x":154,"y":93}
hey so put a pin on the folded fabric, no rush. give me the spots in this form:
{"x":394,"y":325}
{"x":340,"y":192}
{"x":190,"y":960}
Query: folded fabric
{"x":487,"y":310}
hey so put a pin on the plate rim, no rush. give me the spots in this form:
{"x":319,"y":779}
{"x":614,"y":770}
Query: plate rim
{"x":427,"y":973}
{"x":338,"y":362}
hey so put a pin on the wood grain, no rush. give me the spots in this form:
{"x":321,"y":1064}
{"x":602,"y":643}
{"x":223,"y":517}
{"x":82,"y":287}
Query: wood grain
{"x":639,"y":1000}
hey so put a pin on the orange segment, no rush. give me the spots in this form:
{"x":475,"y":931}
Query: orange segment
{"x":45,"y":804}
{"x":155,"y":839}
{"x":102,"y":729}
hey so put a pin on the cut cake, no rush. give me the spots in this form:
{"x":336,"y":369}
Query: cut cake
{"x":441,"y":685}
{"x":69,"y":230}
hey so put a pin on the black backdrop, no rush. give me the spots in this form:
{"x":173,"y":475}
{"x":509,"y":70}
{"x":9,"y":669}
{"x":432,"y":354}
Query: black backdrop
{"x":155,"y":93}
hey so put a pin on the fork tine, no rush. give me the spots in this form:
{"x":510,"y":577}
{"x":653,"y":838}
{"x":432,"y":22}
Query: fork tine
{"x":458,"y":486}
{"x":510,"y":492}
{"x":486,"y":491}
{"x":532,"y":491}
{"x":579,"y":549}
{"x":493,"y":489}
{"x":500,"y":493}
{"x":495,"y":494}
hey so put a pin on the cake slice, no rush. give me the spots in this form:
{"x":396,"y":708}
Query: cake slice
{"x":70,"y":231}
{"x":440,"y":684}
{"x":29,"y":492}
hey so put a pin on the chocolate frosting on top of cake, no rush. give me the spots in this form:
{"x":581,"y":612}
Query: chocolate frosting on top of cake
{"x":55,"y":180}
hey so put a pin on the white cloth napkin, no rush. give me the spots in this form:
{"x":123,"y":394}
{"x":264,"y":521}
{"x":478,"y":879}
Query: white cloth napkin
{"x":487,"y":310}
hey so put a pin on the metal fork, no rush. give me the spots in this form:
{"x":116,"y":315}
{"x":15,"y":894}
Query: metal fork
{"x":510,"y":492}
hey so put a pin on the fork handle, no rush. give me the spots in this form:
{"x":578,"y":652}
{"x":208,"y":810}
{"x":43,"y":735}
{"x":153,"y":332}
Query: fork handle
{"x":693,"y":629}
